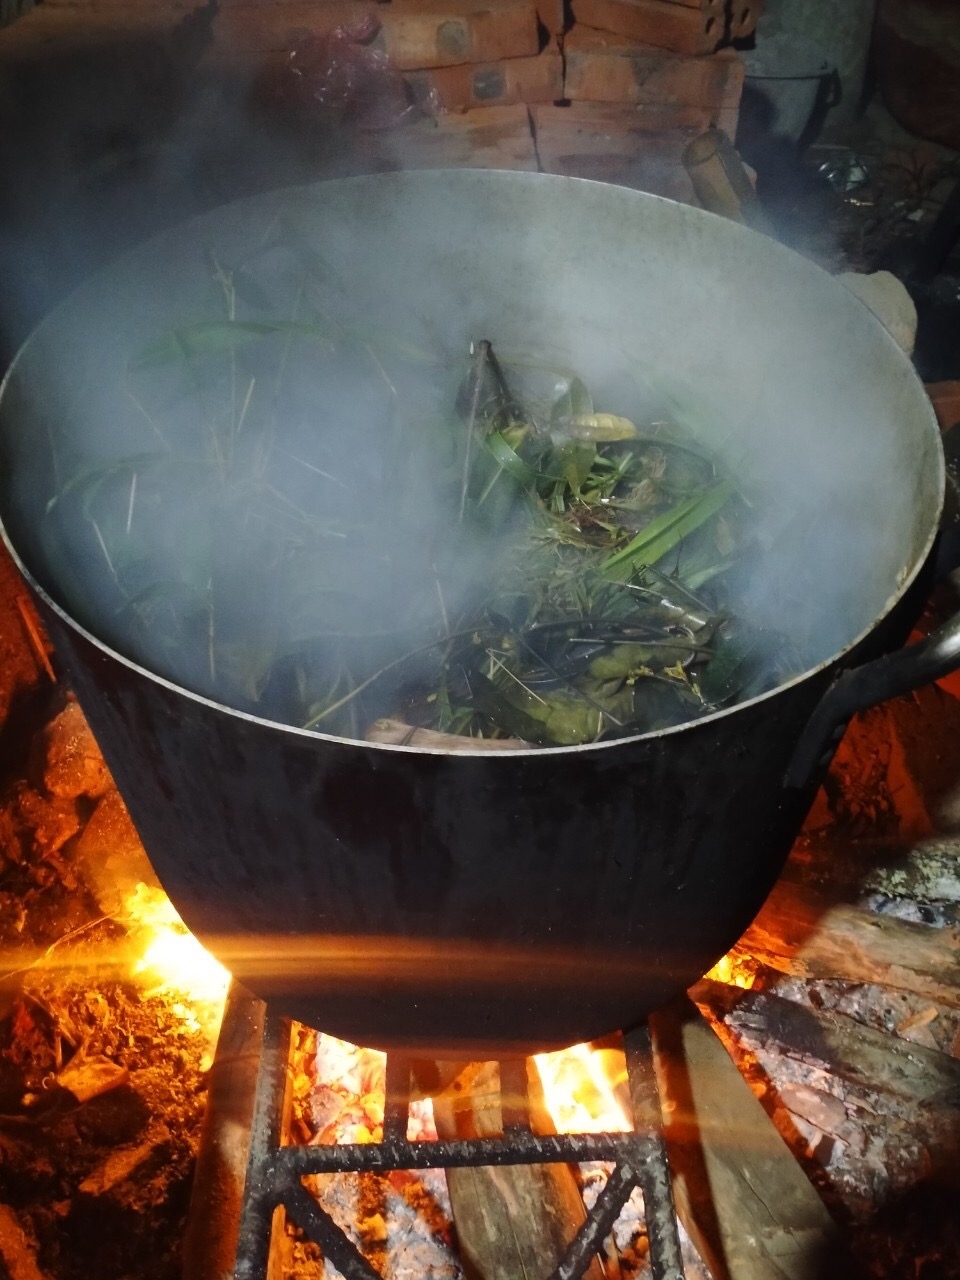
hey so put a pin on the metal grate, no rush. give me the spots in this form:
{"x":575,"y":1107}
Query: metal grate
{"x":274,"y":1171}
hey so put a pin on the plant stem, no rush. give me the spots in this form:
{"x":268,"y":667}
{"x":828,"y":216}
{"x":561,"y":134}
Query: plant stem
{"x":483,"y":351}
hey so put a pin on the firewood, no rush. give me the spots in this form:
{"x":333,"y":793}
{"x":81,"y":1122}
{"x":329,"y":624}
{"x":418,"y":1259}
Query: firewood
{"x":210,"y":1237}
{"x":744,"y":1200}
{"x":916,"y":1077}
{"x":515,"y":1221}
{"x":925,"y":871}
{"x":801,"y":933}
{"x":17,"y":1258}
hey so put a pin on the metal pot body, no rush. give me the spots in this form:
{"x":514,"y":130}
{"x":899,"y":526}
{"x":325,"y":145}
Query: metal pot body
{"x":468,"y":903}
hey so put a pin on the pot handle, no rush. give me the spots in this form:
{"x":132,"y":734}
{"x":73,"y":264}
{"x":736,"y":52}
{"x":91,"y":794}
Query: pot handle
{"x":865,"y":686}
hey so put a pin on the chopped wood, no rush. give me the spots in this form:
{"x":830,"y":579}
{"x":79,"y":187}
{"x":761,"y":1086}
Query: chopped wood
{"x":17,"y":1258}
{"x":800,"y":932}
{"x":922,"y":1018}
{"x":210,"y":1237}
{"x":912,"y":1075}
{"x":745,"y":1202}
{"x":925,"y":871}
{"x":513,"y":1222}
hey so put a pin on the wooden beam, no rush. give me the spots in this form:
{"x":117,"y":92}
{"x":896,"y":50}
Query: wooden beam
{"x":741,"y":1195}
{"x":861,"y":1056}
{"x":801,"y":933}
{"x":513,"y":1222}
{"x":210,"y":1237}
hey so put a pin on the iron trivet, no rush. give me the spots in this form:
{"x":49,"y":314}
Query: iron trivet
{"x":274,"y":1171}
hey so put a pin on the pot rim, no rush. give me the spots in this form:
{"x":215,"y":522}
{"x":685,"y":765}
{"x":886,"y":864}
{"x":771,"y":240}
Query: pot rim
{"x":906,"y":577}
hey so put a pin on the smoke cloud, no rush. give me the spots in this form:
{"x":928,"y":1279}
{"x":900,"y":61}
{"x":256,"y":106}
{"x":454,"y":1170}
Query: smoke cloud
{"x":184,"y":493}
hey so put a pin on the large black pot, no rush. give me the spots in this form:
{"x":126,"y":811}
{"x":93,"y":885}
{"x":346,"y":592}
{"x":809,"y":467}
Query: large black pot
{"x":464,"y":902}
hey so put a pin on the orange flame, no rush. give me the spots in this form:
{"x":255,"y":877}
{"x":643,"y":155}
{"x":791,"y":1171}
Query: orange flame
{"x":171,"y":960}
{"x":585,"y":1089}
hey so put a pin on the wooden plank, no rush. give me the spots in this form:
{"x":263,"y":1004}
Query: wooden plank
{"x":801,"y":933}
{"x":18,"y":1259}
{"x":917,"y":1078}
{"x":210,"y":1236}
{"x":511,"y":80}
{"x":743,"y":1198}
{"x":513,"y":1222}
{"x":656,"y":22}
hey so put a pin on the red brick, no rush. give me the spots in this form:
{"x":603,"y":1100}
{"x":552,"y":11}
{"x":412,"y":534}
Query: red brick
{"x":657,"y":22}
{"x":511,"y":80}
{"x":744,"y":15}
{"x":601,"y":67}
{"x":414,"y":35}
{"x":446,"y":33}
{"x":631,"y":146}
{"x":484,"y":138}
{"x":704,"y":6}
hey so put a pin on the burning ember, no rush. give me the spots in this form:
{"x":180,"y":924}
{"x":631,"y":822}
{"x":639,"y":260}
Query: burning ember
{"x":584,"y":1089}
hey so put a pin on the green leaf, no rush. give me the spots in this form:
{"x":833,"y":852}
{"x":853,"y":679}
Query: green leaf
{"x":574,"y":461}
{"x":661,"y":535}
{"x":220,"y":337}
{"x":510,"y":461}
{"x":574,"y":399}
{"x":206,"y":338}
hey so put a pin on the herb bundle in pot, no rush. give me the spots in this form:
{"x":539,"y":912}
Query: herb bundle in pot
{"x":330,"y":528}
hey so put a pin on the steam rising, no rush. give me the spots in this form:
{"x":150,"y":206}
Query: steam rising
{"x":191,"y":498}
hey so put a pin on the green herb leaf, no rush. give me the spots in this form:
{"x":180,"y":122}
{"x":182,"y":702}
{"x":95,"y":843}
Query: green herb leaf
{"x":661,"y":535}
